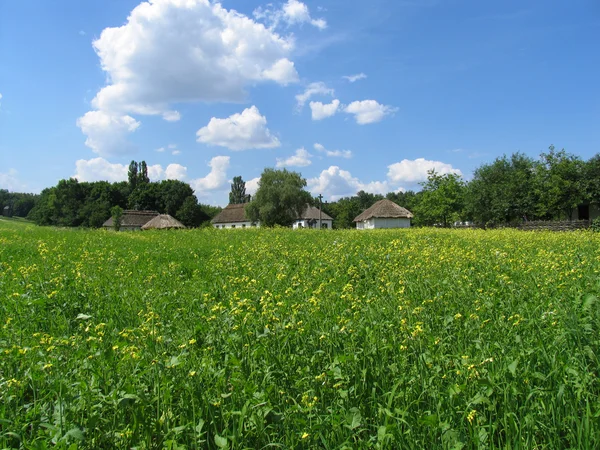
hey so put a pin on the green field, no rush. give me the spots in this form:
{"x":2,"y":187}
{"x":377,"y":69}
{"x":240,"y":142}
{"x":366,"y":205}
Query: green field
{"x":255,"y":339}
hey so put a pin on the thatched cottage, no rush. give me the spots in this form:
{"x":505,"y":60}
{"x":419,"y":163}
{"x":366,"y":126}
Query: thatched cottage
{"x":384,"y":214}
{"x":233,"y":216}
{"x":132,"y":220}
{"x":163,"y":222}
{"x":310,"y":219}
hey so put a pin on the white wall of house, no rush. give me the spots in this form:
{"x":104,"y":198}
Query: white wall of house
{"x":325,"y":223}
{"x":237,"y":225}
{"x":377,"y":222}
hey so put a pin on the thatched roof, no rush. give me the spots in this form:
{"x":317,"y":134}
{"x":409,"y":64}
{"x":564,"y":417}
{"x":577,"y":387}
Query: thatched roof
{"x":313,"y":213}
{"x":163,"y":222}
{"x":132,"y":218}
{"x":232,"y":213}
{"x":385,"y":209}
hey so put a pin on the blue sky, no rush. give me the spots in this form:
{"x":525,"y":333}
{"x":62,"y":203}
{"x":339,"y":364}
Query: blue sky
{"x":352,"y":94}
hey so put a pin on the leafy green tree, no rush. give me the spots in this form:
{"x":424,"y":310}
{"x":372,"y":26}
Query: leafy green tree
{"x":442,"y":200}
{"x":238,"y":192}
{"x":280,"y":198}
{"x":117,"y":215}
{"x":190,"y":214}
{"x":504,"y":191}
{"x":561,"y":183}
{"x":132,"y":174}
{"x":171,"y":195}
{"x":592,"y":179}
{"x":142,"y":175}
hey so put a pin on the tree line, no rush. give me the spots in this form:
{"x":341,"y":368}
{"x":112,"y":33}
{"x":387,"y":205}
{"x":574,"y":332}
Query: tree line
{"x":88,"y":204}
{"x":510,"y":189}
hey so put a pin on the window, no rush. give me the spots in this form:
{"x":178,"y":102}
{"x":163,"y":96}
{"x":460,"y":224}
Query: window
{"x":243,"y":225}
{"x":232,"y":226}
{"x":324,"y":225}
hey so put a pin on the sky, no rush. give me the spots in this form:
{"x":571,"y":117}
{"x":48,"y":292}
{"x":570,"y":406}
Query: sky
{"x":354,"y":95}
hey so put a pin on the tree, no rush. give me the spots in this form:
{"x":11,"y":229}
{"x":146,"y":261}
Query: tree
{"x":190,"y":214}
{"x":280,"y":198}
{"x":238,"y":192}
{"x":442,"y":199}
{"x":503,"y":191}
{"x":117,"y":215}
{"x":561,"y":183}
{"x":592,"y":177}
{"x":143,"y":173}
{"x":132,"y":174}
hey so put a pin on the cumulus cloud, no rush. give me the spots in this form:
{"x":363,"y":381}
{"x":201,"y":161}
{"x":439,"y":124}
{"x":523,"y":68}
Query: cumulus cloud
{"x":293,"y":12}
{"x":369,"y":111}
{"x":172,"y":51}
{"x":317,"y":88}
{"x":353,"y":78}
{"x":10,"y":180}
{"x":298,"y":159}
{"x":333,"y":153}
{"x":107,"y":133}
{"x":336,"y":183}
{"x":240,"y":131}
{"x":216,"y":178}
{"x":99,"y":169}
{"x":252,"y":186}
{"x":322,"y":111}
{"x":415,"y":171}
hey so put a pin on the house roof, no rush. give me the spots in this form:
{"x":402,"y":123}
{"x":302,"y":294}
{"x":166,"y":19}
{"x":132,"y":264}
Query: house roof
{"x":232,"y":213}
{"x":385,"y":209}
{"x":133,"y":218}
{"x":313,"y":213}
{"x":162,"y":222}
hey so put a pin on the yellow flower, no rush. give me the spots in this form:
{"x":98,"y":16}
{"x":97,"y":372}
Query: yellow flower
{"x":305,"y":435}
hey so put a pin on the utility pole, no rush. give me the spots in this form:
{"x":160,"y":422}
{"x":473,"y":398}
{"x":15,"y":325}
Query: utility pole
{"x":320,"y":198}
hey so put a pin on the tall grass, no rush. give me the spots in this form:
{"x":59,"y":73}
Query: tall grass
{"x":298,"y":339}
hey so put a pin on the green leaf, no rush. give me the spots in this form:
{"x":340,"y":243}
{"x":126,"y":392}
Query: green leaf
{"x":354,"y":418}
{"x":512,"y":367}
{"x":75,"y":433}
{"x":83,"y":317}
{"x":221,"y":442}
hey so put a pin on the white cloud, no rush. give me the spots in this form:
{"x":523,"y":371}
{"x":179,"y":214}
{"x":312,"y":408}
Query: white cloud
{"x":176,"y":152}
{"x":215,"y":180}
{"x":353,"y":78}
{"x":415,"y":171}
{"x":171,"y":116}
{"x":299,"y":159}
{"x":176,"y":172}
{"x":293,"y":12}
{"x":369,"y":111}
{"x":0,"y":99}
{"x":282,"y":72}
{"x":106,"y":133}
{"x":240,"y":131}
{"x":99,"y":169}
{"x":81,"y":33}
{"x":336,"y":183}
{"x":160,"y":150}
{"x":171,"y":146}
{"x":317,"y":88}
{"x":173,"y":51}
{"x":334,"y":153}
{"x":252,"y":186}
{"x":322,"y":111}
{"x":10,"y":180}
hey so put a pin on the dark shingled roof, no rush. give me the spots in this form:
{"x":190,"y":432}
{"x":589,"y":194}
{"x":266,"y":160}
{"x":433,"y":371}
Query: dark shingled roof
{"x":232,"y":213}
{"x":163,"y":222}
{"x":313,"y":213}
{"x":385,"y":209}
{"x":133,"y":218}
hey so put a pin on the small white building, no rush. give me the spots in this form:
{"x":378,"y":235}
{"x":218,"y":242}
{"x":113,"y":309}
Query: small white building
{"x":384,"y":214}
{"x":310,"y":219}
{"x":233,"y":216}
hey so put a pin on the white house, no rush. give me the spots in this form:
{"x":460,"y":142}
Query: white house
{"x":310,"y":219}
{"x":233,"y":216}
{"x":384,"y":214}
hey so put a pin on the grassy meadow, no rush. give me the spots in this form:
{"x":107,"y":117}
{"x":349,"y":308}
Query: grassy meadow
{"x":267,"y":339}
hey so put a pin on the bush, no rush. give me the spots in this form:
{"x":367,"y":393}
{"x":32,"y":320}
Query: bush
{"x":596,"y":225}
